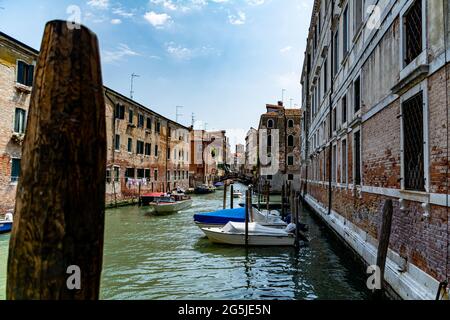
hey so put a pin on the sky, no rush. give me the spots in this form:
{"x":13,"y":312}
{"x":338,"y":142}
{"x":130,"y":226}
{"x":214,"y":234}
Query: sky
{"x":221,"y":60}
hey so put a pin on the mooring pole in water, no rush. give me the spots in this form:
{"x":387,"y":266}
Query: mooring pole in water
{"x":57,"y":238}
{"x":247,"y":210}
{"x":297,"y":224}
{"x":283,"y":209}
{"x":232,"y":196}
{"x":259,"y":196}
{"x":268,"y":196}
{"x":383,"y":245}
{"x":250,"y":199}
{"x":139,"y":194}
{"x":225,"y":187}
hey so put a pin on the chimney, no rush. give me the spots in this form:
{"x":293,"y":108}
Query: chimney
{"x":280,"y":103}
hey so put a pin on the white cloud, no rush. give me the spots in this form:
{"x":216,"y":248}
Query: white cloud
{"x":120,"y":53}
{"x":122,"y":13}
{"x":255,"y":2}
{"x":99,"y":4}
{"x":184,"y":53}
{"x":237,"y":19}
{"x":286,"y":49}
{"x":116,"y":21}
{"x":157,"y":20}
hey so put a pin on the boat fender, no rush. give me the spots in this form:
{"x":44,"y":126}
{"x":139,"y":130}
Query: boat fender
{"x":291,"y":228}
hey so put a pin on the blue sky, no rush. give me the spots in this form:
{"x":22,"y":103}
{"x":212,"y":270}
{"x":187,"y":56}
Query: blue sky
{"x":223,"y":60}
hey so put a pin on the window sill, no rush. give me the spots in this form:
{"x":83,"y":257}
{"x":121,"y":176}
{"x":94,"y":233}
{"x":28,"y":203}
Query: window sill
{"x":23,"y":88}
{"x":418,"y":196}
{"x":412,"y":73}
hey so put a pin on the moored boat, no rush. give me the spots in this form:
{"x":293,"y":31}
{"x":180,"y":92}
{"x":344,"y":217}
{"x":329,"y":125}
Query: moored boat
{"x":204,"y":189}
{"x":234,"y":234}
{"x":171,"y":203}
{"x":237,"y":194}
{"x":7,"y":223}
{"x":220,"y":218}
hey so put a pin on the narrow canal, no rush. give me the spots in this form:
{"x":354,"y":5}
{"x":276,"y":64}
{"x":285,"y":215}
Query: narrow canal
{"x":149,"y":257}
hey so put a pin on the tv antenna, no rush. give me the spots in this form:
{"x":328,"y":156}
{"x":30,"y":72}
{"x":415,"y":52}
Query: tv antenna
{"x":178,"y":114}
{"x":133,"y":75}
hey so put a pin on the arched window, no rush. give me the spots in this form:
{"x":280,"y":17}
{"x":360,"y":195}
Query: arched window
{"x":270,"y":123}
{"x":269,"y":141}
{"x":291,"y":141}
{"x":290,"y":123}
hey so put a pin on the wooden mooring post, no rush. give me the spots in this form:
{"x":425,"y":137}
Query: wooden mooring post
{"x":297,"y":224}
{"x":247,"y":215}
{"x":283,"y":207}
{"x":232,"y":196}
{"x":383,"y":245}
{"x":225,"y":187}
{"x":60,"y":203}
{"x":268,"y":196}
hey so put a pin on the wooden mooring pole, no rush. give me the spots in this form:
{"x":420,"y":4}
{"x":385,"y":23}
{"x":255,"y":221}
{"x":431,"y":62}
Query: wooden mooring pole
{"x":268,"y":196}
{"x":232,"y":196}
{"x":225,"y":187}
{"x":247,"y":214}
{"x":283,"y":208}
{"x":383,"y":246}
{"x":297,"y":224}
{"x":60,"y":203}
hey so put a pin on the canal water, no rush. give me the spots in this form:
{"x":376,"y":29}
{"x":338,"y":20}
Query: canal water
{"x":149,"y":257}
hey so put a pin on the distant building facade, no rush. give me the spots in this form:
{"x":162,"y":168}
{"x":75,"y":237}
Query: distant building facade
{"x":251,"y":154}
{"x":279,"y":147}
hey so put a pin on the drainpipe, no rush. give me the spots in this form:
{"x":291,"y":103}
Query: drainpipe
{"x":330,"y":155}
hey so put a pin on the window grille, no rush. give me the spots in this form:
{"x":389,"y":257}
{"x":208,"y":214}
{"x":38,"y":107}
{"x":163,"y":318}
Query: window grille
{"x":413,"y":143}
{"x":413,"y":32}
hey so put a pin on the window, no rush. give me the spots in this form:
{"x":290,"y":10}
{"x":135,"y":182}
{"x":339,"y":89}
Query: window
{"x":290,"y":160}
{"x":168,"y":175}
{"x":290,"y":177}
{"x":344,"y":168}
{"x":290,"y":123}
{"x":108,"y":176}
{"x":130,"y":173}
{"x":357,"y":94}
{"x":358,"y":14}
{"x":270,"y":123}
{"x":345,"y":26}
{"x":357,"y":146}
{"x":25,"y":73}
{"x":140,"y":147}
{"x":412,"y":25}
{"x":155,"y":174}
{"x":291,"y":141}
{"x":19,"y":120}
{"x":116,"y":174}
{"x":269,"y":177}
{"x":147,"y":174}
{"x":130,"y":145}
{"x":168,"y":153}
{"x":334,"y":120}
{"x":117,"y":142}
{"x":15,"y":170}
{"x":140,"y":173}
{"x":334,"y":165}
{"x":148,"y":149}
{"x":336,"y":53}
{"x":169,"y":132}
{"x":344,"y":109}
{"x":269,"y":141}
{"x":156,"y":150}
{"x":158,"y":127}
{"x":119,"y":112}
{"x":413,"y":143}
{"x":149,"y":123}
{"x":130,"y":116}
{"x":141,"y":120}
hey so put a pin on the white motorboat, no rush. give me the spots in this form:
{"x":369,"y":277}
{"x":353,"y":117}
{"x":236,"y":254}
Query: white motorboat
{"x":170,"y":204}
{"x":234,"y":234}
{"x":237,"y":194}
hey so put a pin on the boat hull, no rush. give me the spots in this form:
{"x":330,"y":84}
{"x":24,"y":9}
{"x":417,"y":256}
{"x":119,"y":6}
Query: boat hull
{"x":164,"y":209}
{"x":215,"y":235}
{"x":5,"y":226}
{"x":218,"y":225}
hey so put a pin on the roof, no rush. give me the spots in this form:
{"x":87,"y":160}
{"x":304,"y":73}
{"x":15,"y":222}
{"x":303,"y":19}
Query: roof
{"x":20,"y":44}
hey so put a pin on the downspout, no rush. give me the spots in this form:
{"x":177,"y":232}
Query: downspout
{"x":330,"y":155}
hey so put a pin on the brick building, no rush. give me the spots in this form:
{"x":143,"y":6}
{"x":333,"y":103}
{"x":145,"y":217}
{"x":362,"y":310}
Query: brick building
{"x":375,"y":95}
{"x":279,"y":147}
{"x":144,"y":148}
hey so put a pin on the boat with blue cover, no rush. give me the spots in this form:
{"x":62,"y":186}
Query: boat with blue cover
{"x":7,"y":223}
{"x":220,"y":218}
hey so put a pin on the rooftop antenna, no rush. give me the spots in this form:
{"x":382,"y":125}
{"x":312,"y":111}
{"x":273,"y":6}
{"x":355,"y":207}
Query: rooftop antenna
{"x":206,"y":126}
{"x":178,"y":114}
{"x":133,"y":75}
{"x":282,"y":95}
{"x":193,"y":120}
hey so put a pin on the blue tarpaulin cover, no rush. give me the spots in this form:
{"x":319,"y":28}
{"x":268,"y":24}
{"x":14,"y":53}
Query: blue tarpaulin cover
{"x":221,"y":216}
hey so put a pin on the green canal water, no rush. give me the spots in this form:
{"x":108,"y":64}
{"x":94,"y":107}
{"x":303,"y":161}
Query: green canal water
{"x":149,"y":257}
